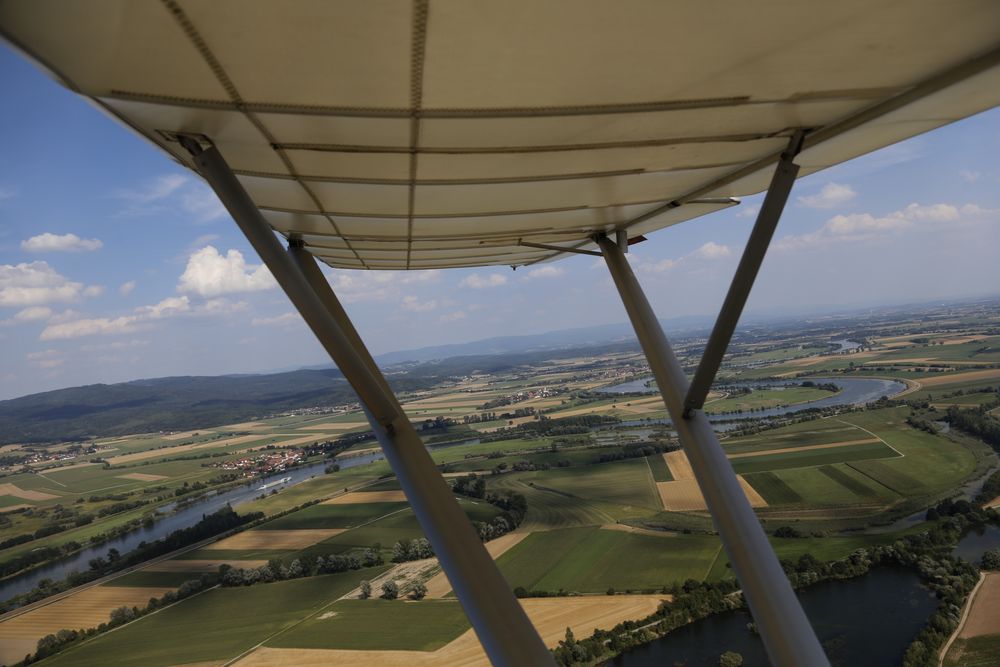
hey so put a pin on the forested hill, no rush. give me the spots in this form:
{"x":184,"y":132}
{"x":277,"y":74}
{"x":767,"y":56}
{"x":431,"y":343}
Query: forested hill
{"x":183,"y":403}
{"x":164,"y":404}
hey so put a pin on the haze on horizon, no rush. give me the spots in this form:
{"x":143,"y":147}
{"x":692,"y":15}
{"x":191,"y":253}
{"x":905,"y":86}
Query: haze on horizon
{"x":117,"y":264}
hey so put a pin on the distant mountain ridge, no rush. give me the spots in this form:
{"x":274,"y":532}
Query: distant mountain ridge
{"x":550,"y":340}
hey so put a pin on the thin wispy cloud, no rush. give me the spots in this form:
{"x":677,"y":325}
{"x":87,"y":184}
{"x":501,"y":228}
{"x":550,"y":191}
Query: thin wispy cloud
{"x":476,"y":281}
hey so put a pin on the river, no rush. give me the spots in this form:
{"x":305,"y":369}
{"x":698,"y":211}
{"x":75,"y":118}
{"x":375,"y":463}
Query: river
{"x":854,"y":391}
{"x":187,"y":516}
{"x":867,"y":621}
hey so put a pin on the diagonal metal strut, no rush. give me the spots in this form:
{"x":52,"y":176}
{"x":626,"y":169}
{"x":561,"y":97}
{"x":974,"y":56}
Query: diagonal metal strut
{"x":502,"y":626}
{"x":746,"y":273}
{"x":787,"y":634}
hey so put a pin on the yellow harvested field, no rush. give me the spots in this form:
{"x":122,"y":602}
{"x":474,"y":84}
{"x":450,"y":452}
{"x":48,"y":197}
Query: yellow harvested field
{"x":143,"y":477}
{"x":803,"y":448}
{"x":992,"y":503}
{"x":361,"y":497}
{"x":276,"y":539}
{"x":680,"y":467}
{"x":85,"y":609}
{"x":984,"y":614}
{"x":333,"y":426}
{"x":551,"y":616}
{"x":685,"y":496}
{"x":8,"y":489}
{"x":438,"y":586}
{"x":969,"y":376}
{"x":201,"y":565}
{"x":186,"y":434}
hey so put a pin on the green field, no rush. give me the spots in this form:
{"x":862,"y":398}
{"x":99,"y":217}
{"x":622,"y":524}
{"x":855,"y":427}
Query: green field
{"x":822,"y":548}
{"x":590,"y":560}
{"x":333,"y":516}
{"x":216,"y":625}
{"x":584,"y":495}
{"x":658,"y":467}
{"x":766,"y":398}
{"x":810,"y":458}
{"x":388,"y":625}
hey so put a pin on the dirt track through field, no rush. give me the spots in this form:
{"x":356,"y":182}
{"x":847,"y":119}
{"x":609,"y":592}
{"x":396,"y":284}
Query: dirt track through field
{"x":86,"y":609}
{"x":984,"y":614}
{"x":362,"y":497}
{"x":625,"y":528}
{"x":332,"y":426}
{"x":804,"y":448}
{"x":143,"y":477}
{"x":8,"y":489}
{"x":201,"y":565}
{"x":438,"y":586}
{"x":186,"y":434}
{"x":551,"y":616}
{"x":275,"y":539}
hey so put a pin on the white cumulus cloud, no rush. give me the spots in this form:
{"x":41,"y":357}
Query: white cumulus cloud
{"x":90,"y":327}
{"x":126,"y":287}
{"x":453,"y":317}
{"x":109,"y":326}
{"x":415,"y":305}
{"x":476,"y":281}
{"x":45,"y":358}
{"x":831,"y":195}
{"x":37,"y":283}
{"x":277,"y":320}
{"x":865,"y":226}
{"x":33,"y":314}
{"x":49,"y":242}
{"x":546,"y":272}
{"x":712,"y":250}
{"x":208,"y":273}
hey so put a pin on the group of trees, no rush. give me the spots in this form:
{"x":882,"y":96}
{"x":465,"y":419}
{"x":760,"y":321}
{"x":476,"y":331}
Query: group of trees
{"x":390,"y":590}
{"x":415,"y":549}
{"x":545,"y":426}
{"x":277,"y":570}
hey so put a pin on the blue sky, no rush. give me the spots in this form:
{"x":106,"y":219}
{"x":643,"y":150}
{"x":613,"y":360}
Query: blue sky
{"x":117,"y":264}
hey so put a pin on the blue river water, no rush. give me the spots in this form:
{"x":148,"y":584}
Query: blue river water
{"x":854,"y":391}
{"x":864,"y":622}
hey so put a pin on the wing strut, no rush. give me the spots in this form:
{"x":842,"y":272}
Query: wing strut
{"x":746,"y":273}
{"x":502,"y":626}
{"x":787,"y":634}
